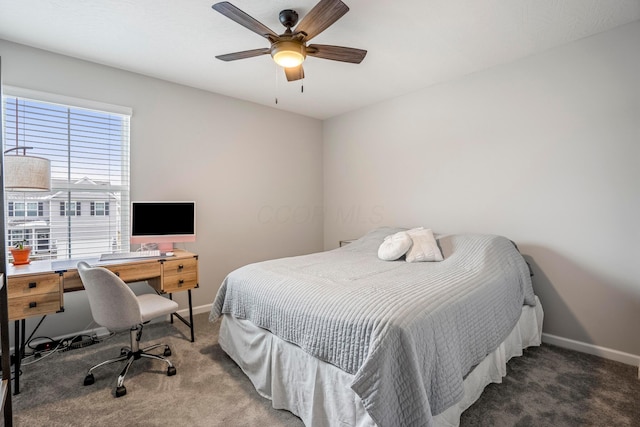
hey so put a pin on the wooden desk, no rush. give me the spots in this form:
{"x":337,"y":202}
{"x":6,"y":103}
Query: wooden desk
{"x":37,"y":289}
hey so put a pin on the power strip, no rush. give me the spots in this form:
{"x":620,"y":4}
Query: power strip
{"x":80,"y":342}
{"x":46,"y":346}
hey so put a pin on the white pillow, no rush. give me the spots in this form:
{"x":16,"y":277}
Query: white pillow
{"x":394,"y":246}
{"x":424,"y":247}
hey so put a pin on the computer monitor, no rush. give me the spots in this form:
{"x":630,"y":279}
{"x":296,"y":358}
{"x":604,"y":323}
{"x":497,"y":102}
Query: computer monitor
{"x":163,"y":223}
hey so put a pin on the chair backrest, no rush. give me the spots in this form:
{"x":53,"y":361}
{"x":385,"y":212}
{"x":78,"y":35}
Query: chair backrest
{"x":113,"y":304}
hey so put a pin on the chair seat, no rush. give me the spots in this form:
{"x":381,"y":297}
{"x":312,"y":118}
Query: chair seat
{"x":152,"y":306}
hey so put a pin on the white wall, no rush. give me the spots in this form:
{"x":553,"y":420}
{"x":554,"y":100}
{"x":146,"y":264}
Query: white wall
{"x":253,"y":183}
{"x":545,"y":150}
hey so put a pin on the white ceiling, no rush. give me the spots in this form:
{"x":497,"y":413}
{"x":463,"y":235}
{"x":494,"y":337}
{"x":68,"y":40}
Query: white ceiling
{"x":411,"y":43}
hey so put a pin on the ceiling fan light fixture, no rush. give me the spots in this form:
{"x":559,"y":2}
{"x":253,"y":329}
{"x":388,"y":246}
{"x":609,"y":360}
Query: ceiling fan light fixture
{"x":288,"y":54}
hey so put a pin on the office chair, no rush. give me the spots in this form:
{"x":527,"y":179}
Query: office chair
{"x":115,"y":306}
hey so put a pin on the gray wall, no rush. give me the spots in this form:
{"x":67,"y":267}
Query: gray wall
{"x":246,"y":174}
{"x":544,"y":150}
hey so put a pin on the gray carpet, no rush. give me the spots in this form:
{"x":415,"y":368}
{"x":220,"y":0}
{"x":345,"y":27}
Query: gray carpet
{"x":549,"y":386}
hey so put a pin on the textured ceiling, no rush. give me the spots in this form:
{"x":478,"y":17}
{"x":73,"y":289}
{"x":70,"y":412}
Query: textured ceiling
{"x":411,"y":43}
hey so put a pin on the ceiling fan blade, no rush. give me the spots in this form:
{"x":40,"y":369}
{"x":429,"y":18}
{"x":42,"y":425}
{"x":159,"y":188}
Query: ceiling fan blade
{"x":235,"y":14}
{"x":336,"y":53}
{"x":244,"y":54}
{"x":294,"y":73}
{"x":323,"y":14}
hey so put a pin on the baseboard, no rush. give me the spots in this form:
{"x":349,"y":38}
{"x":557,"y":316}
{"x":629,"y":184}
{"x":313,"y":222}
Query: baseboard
{"x":596,"y":350}
{"x":196,"y":310}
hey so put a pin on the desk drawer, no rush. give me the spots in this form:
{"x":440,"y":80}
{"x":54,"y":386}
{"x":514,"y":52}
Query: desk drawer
{"x":180,"y":275}
{"x":137,"y":272}
{"x":72,"y":282}
{"x":34,"y":305}
{"x":34,"y":284}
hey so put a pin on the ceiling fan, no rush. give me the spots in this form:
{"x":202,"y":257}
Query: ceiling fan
{"x":290,"y":49}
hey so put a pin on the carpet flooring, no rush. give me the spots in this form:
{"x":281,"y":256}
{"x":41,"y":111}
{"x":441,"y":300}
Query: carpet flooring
{"x":548,"y":386}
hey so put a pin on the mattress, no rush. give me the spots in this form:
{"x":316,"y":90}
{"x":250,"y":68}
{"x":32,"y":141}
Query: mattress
{"x":320,"y":394}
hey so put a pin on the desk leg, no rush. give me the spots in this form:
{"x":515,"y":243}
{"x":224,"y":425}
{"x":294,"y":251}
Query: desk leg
{"x":16,"y":356}
{"x":171,"y":316}
{"x":19,"y":335}
{"x":183,"y":320}
{"x":193,"y":338}
{"x":21,"y":346}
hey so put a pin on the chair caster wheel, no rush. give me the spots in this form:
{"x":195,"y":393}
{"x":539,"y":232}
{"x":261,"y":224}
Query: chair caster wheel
{"x":123,"y":352}
{"x":167,"y":352}
{"x":171,"y":370}
{"x":121,"y":391}
{"x":89,"y":379}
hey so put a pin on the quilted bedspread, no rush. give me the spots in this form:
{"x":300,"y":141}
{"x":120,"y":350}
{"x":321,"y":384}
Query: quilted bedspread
{"x":408,"y":332}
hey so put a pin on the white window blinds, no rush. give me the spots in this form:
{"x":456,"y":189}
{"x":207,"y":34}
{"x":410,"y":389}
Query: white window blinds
{"x":86,"y":213}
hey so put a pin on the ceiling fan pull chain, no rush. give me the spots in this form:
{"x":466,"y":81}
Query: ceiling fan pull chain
{"x":276,"y":68}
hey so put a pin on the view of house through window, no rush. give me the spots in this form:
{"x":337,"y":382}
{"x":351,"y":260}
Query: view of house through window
{"x":86,"y":213}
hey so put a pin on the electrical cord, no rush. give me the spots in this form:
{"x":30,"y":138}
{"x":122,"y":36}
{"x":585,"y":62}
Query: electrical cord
{"x":62,"y":345}
{"x":42,"y":355}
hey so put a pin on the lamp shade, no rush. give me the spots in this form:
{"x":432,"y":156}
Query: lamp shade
{"x":27,"y":173}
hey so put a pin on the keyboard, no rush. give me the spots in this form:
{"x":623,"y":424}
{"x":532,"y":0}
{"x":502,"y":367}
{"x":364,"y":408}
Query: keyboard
{"x":130,"y":255}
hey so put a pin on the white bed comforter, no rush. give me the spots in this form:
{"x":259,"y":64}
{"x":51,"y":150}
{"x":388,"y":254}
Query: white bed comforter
{"x":408,"y":332}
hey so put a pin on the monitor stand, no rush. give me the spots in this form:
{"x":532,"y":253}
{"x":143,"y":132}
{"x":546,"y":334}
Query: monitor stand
{"x":165,"y":247}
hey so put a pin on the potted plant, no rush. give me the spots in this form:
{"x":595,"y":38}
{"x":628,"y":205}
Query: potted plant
{"x":20,"y":253}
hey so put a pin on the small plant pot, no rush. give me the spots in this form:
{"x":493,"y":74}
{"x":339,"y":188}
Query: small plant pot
{"x":20,"y":256}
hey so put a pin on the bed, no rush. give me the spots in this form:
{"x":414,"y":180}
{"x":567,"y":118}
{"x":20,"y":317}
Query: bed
{"x":343,"y":338}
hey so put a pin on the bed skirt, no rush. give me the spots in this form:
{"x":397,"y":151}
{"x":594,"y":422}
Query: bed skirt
{"x":319,"y":392}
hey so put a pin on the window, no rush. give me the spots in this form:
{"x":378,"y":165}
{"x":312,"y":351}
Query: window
{"x":70,"y":209}
{"x":25,"y":209}
{"x":99,"y":208}
{"x":88,"y":146}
